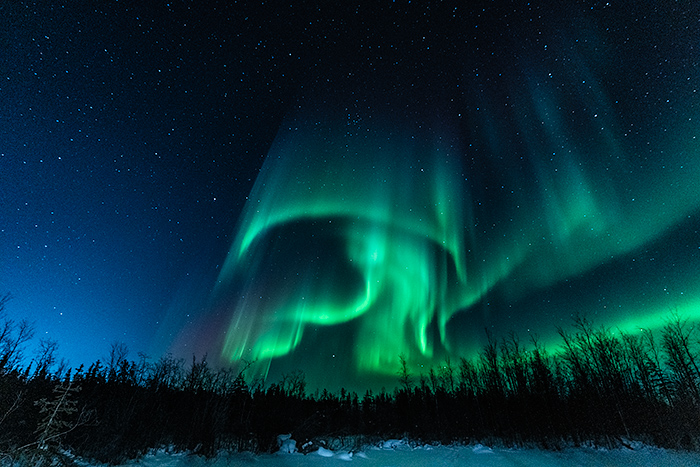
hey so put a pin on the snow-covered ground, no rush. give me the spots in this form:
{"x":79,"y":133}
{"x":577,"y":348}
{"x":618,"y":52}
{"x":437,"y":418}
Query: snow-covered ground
{"x":396,"y":453}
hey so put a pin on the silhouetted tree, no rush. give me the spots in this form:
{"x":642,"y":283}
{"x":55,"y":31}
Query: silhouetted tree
{"x":118,"y":354}
{"x":676,"y":336}
{"x":293,"y":384}
{"x":13,"y":337}
{"x":46,"y":357}
{"x":405,"y":378}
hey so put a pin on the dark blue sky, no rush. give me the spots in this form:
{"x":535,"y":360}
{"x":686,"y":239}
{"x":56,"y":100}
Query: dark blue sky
{"x":132,"y":133}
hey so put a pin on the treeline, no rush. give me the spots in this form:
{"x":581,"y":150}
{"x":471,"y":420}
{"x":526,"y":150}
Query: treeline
{"x":599,"y":386}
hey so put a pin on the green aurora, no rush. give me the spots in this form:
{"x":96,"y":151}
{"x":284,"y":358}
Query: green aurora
{"x":393,"y":206}
{"x":374,"y":231}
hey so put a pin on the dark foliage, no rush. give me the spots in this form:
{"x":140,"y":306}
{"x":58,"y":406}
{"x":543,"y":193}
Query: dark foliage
{"x":600,"y":386}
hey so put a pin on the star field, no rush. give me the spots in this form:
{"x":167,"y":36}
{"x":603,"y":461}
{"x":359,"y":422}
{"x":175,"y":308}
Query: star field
{"x":135,"y":138}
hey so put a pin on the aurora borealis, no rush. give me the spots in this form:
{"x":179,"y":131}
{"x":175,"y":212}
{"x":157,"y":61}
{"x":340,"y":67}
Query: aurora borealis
{"x":327,"y":187}
{"x":377,"y":229}
{"x":375,"y":218}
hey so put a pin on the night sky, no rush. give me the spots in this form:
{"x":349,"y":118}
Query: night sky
{"x":327,"y":187}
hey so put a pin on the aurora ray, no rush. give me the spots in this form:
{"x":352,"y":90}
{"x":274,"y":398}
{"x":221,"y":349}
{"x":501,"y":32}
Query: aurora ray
{"x":389,"y":205}
{"x":397,"y":230}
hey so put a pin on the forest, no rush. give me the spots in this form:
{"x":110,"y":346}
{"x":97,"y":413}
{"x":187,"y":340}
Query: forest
{"x":599,"y":386}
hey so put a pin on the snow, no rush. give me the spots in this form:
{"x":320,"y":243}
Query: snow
{"x":394,"y":444}
{"x":323,"y":452}
{"x":395,"y":453}
{"x":286,"y":444}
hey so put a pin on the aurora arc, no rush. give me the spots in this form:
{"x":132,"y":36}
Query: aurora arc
{"x":396,"y":204}
{"x":385,"y":225}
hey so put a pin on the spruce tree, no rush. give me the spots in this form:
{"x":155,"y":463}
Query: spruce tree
{"x":57,"y":420}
